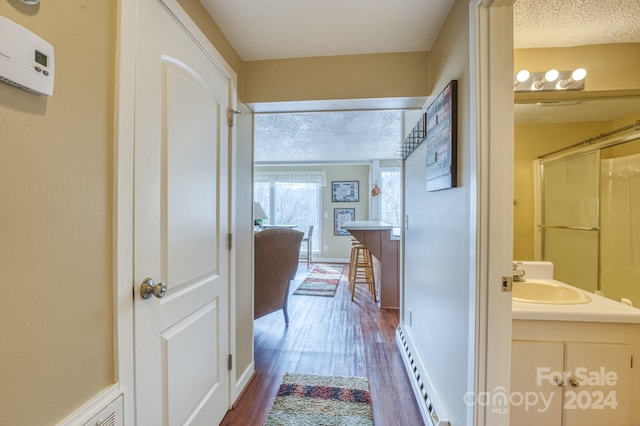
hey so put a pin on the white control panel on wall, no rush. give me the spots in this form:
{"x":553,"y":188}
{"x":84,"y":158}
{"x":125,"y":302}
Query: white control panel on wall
{"x":26,"y":60}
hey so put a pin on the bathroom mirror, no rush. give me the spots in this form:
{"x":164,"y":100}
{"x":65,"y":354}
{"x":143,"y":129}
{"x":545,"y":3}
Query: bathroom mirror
{"x":602,"y":188}
{"x":549,"y":120}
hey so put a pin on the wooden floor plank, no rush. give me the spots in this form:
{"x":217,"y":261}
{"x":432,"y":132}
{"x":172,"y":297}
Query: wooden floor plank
{"x":331,"y":336}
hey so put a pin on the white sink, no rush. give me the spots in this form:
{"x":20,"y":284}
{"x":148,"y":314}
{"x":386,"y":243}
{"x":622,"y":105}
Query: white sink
{"x":533,"y":291}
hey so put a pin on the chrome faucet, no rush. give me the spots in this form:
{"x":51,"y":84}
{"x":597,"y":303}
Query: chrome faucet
{"x":518,"y":273}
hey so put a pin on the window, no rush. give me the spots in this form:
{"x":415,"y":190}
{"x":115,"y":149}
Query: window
{"x":391,"y":196}
{"x":292,"y":198}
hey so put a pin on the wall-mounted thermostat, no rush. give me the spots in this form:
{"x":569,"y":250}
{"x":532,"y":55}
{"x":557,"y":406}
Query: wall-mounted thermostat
{"x":26,"y":60}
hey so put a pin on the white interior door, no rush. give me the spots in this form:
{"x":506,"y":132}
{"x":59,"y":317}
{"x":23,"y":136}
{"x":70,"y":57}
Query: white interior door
{"x":180,"y":225}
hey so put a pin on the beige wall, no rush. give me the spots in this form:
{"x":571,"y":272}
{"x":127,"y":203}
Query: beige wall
{"x":390,"y":75}
{"x":56,"y":174}
{"x":339,"y":247}
{"x":210,"y":29}
{"x":626,"y":119}
{"x":337,"y":77}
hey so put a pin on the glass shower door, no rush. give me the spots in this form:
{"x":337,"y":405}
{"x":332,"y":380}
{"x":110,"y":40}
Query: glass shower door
{"x":570,"y":219}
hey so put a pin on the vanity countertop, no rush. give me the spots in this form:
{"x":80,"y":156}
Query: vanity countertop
{"x":600,"y":309}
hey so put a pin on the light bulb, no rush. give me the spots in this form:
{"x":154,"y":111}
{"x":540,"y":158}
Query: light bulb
{"x":579,"y":74}
{"x":551,"y":75}
{"x":522,"y":76}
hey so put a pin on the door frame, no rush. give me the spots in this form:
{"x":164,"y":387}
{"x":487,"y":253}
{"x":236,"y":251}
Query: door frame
{"x":491,"y":357}
{"x":124,"y":192}
{"x":491,"y":63}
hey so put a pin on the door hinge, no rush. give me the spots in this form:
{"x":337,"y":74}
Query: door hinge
{"x":230,"y":362}
{"x":230,"y":113}
{"x":631,"y":361}
{"x":229,"y":241}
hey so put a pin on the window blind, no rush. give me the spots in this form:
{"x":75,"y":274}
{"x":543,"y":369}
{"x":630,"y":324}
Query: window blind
{"x":319,"y":178}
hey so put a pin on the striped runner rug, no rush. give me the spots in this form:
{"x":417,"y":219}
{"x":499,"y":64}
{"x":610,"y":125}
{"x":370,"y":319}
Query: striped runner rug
{"x":305,"y":399}
{"x":323,"y":280}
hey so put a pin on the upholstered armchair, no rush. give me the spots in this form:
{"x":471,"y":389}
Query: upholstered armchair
{"x":276,"y":252}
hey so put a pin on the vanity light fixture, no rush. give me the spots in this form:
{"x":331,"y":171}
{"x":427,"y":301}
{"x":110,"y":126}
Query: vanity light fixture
{"x":576,"y":76}
{"x":521,"y":77}
{"x":30,"y":2}
{"x":552,"y":79}
{"x":549,"y":77}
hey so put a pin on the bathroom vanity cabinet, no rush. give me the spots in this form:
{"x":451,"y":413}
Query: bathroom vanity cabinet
{"x":566,"y":373}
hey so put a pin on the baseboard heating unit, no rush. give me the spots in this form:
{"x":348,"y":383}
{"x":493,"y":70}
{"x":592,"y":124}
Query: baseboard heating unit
{"x":428,"y":406}
{"x":104,"y":409}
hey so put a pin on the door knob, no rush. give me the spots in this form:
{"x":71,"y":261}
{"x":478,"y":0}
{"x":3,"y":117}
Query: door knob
{"x":149,"y":288}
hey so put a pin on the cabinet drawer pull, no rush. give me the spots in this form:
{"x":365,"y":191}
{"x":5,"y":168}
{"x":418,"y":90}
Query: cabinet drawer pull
{"x":558,"y":381}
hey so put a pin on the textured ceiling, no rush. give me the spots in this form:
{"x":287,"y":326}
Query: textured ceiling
{"x":348,"y":136}
{"x":566,"y":23}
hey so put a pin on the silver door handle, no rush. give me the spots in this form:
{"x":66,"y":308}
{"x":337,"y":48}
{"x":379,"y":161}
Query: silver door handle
{"x":149,"y":288}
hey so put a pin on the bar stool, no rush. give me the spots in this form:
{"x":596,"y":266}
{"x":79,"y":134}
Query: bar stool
{"x":361,"y":269}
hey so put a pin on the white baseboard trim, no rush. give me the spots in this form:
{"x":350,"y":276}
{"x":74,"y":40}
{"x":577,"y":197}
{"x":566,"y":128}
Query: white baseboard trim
{"x":433,"y":413}
{"x":92,"y":407}
{"x":241,"y":385}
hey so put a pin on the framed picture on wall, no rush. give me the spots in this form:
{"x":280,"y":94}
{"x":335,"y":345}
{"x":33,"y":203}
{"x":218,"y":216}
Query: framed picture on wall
{"x":442,"y":135}
{"x":345,"y":191}
{"x":340,"y":216}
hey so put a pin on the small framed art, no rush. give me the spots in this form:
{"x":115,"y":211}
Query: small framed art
{"x":345,"y":191}
{"x":340,"y":216}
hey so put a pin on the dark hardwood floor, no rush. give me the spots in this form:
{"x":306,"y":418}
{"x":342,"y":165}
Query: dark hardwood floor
{"x":329,"y":336}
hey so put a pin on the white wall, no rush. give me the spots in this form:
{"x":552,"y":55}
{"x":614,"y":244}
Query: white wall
{"x":436,"y":283}
{"x":437,"y":241}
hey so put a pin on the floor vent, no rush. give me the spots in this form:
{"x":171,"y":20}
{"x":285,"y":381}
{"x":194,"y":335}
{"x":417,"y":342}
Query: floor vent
{"x":112,"y":415}
{"x":427,"y":407}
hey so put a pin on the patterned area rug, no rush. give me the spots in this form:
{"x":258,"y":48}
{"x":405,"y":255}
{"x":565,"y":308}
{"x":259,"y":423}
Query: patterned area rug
{"x":322,"y":281}
{"x":320,"y":400}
